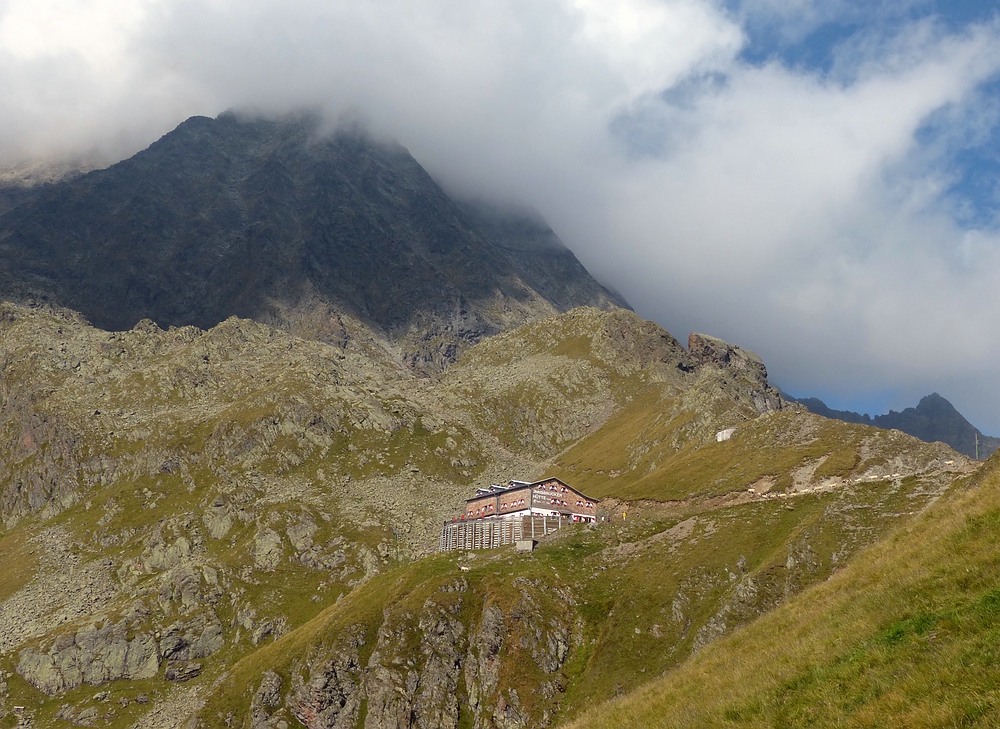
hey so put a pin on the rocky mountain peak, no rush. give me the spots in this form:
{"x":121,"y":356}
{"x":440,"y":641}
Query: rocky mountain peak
{"x":935,"y":403}
{"x":273,"y":220}
{"x":933,"y":419}
{"x":704,"y":348}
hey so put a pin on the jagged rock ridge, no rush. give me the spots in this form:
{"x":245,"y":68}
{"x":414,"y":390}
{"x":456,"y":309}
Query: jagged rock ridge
{"x":933,"y":419}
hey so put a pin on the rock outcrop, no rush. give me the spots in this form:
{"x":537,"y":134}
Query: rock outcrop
{"x":94,"y":654}
{"x":330,"y":695}
{"x":746,"y":369}
{"x":428,"y":668}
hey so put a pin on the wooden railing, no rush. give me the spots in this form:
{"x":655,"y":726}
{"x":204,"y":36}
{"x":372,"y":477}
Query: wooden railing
{"x":493,"y":533}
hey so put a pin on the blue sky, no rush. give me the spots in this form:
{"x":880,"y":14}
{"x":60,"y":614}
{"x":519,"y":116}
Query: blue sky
{"x":815,"y":180}
{"x":961,"y":144}
{"x":823,"y":45}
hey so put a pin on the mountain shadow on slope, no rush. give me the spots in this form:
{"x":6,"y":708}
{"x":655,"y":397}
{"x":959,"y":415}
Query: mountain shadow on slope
{"x":258,"y":218}
{"x":933,"y":419}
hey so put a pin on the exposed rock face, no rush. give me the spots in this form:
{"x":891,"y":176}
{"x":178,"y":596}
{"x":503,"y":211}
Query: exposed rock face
{"x":43,"y":441}
{"x":265,"y":700}
{"x":191,"y":639}
{"x":180,"y":671}
{"x":427,"y":668}
{"x":742,"y":365}
{"x":92,"y":655}
{"x":331,"y":696}
{"x":424,"y":695}
{"x":96,"y":655}
{"x":160,"y":556}
{"x":482,"y":671}
{"x":267,"y":550}
{"x":218,"y":518}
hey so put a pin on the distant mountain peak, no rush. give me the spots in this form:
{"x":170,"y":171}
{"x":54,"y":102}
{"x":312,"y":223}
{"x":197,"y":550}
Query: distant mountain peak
{"x":933,"y":419}
{"x":935,"y":402}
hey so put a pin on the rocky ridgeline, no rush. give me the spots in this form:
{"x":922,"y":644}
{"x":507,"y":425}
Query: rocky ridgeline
{"x":739,"y":373}
{"x":245,"y":406}
{"x":933,"y":419}
{"x":546,"y":385}
{"x":184,"y":406}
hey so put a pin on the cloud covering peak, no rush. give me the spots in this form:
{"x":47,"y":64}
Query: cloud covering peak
{"x":815,"y":181}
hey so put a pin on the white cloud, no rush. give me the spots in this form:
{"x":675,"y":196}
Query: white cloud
{"x":650,"y":44}
{"x":93,"y":30}
{"x":778,"y":162}
{"x":799,"y":215}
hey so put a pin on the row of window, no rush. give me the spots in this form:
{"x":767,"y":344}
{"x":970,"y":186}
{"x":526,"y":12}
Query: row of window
{"x":555,"y":501}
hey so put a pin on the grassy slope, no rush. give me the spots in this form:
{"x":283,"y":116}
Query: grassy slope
{"x":636,"y":455}
{"x":542,"y":387}
{"x":905,"y":636}
{"x":629,"y":578}
{"x":647,"y":591}
{"x":492,"y":580}
{"x":644,"y":595}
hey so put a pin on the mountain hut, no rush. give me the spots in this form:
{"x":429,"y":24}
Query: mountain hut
{"x":516,"y":499}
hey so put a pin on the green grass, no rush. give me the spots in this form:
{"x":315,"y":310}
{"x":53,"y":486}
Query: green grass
{"x":404,"y":588}
{"x":906,"y":636}
{"x":703,"y":572}
{"x":602,"y":585}
{"x":640,"y":454}
{"x":575,"y":347}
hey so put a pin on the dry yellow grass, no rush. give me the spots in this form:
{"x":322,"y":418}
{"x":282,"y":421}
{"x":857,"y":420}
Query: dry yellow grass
{"x":20,"y":562}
